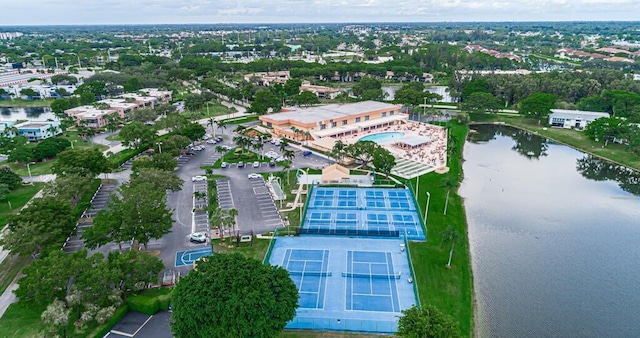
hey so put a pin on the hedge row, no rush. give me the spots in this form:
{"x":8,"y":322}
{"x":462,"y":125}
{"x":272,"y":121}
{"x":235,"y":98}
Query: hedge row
{"x":106,"y":327}
{"x":149,"y":305}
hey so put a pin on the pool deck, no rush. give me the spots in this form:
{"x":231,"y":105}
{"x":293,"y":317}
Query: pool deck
{"x":416,"y":161}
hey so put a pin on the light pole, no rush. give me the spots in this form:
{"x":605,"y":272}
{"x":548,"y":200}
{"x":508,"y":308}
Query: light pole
{"x":417,"y":186}
{"x":160,"y":147}
{"x":72,"y":142}
{"x":29,"y":168}
{"x":426,"y":209}
{"x":207,"y":108}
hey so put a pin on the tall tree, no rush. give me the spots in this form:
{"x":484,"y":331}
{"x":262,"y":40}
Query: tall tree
{"x":157,"y":178}
{"x":41,"y":227}
{"x":244,"y":299}
{"x":137,"y":135}
{"x":450,"y":235}
{"x":138,"y":212}
{"x":82,"y":162}
{"x":383,"y":160}
{"x":538,"y":105}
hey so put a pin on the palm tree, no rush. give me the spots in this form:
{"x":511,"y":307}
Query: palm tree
{"x":307,"y":136}
{"x":242,"y":142}
{"x":449,"y":184}
{"x":216,"y":218}
{"x":231,"y":219}
{"x":220,"y":149}
{"x":222,"y":125}
{"x":283,"y":145}
{"x":449,"y":235}
{"x":211,"y":123}
{"x":258,"y":146}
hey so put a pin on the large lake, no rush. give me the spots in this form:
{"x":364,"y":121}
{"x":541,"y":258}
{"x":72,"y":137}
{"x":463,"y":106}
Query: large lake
{"x":554,"y":238}
{"x":26,"y":113}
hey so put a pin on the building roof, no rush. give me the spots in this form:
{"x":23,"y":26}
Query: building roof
{"x":572,"y":114}
{"x":414,"y":140}
{"x":35,"y":124}
{"x":325,"y":142}
{"x":335,"y":172}
{"x":330,"y":111}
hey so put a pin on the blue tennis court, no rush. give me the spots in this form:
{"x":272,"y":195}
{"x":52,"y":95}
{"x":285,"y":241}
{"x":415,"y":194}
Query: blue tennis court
{"x":389,"y":212}
{"x":371,"y":282}
{"x":347,"y":284}
{"x":308,"y":269}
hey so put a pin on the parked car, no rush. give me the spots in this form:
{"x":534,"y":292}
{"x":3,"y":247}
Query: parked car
{"x":306,"y":153}
{"x":198,"y":237}
{"x":219,"y":139}
{"x":212,"y":141}
{"x":224,"y":165}
{"x":256,"y":164}
{"x":190,"y":153}
{"x":240,"y":164}
{"x":280,"y":159}
{"x":272,"y":163}
{"x":254,"y":175}
{"x":198,"y":178}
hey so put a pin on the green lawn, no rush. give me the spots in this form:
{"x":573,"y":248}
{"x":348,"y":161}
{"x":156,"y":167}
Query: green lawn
{"x":17,"y":198}
{"x":22,"y":320}
{"x":26,"y":103}
{"x":450,"y":290}
{"x":576,"y":139}
{"x":215,"y":109}
{"x":257,"y":251}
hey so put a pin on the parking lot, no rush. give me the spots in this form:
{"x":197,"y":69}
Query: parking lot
{"x":200,"y":204}
{"x":98,"y":202}
{"x":224,"y":195}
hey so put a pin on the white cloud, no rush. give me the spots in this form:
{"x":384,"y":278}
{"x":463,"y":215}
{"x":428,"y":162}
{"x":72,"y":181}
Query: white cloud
{"x":26,"y":12}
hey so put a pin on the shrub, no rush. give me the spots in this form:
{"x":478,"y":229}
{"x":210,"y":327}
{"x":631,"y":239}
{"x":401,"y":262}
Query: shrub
{"x":164,"y":301}
{"x":120,"y":312}
{"x":146,"y":305}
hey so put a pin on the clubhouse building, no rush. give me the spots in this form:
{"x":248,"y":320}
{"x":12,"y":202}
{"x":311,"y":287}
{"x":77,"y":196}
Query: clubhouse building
{"x":333,"y":120}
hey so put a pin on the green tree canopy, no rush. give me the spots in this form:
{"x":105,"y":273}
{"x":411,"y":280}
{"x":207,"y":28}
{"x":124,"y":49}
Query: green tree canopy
{"x":137,"y":135}
{"x":193,"y":131}
{"x":82,"y":162}
{"x":41,"y":227}
{"x":538,"y":105}
{"x":9,"y":178}
{"x":158,"y":178}
{"x":244,"y":298}
{"x":264,"y":100}
{"x":482,"y":102}
{"x":383,"y":160}
{"x":427,"y":322}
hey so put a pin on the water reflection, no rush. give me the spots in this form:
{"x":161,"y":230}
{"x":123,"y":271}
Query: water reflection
{"x":26,"y":113}
{"x":526,"y":144}
{"x":596,"y":169}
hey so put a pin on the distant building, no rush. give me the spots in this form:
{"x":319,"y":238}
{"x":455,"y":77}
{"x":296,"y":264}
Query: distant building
{"x":268,"y":78}
{"x":577,"y":119}
{"x":321,"y":92}
{"x":38,"y":130}
{"x":149,"y":97}
{"x":92,"y":117}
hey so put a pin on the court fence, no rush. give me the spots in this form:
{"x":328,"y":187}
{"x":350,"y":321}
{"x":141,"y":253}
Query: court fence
{"x":423,"y":224}
{"x":344,"y":324}
{"x":272,"y":242}
{"x":350,"y":232}
{"x":306,"y":204}
{"x":413,"y":274}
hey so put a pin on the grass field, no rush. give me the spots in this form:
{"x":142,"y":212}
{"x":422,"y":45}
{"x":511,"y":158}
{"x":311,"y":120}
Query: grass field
{"x":26,"y":103}
{"x":18,"y":198}
{"x":22,"y":320}
{"x":257,"y":251}
{"x":10,"y":268}
{"x":448,"y":289}
{"x":573,"y":138}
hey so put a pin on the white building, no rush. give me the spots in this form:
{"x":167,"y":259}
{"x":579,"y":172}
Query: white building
{"x":577,"y":119}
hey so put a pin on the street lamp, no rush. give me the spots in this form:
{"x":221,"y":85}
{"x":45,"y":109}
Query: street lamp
{"x":72,"y":142}
{"x":160,"y":147}
{"x":426,"y":209}
{"x":29,"y":168}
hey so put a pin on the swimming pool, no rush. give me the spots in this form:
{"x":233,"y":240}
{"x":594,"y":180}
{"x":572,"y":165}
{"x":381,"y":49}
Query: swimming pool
{"x":383,"y":137}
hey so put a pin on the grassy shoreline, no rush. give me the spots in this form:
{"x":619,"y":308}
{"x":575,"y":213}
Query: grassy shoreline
{"x":614,"y":152}
{"x":448,"y":289}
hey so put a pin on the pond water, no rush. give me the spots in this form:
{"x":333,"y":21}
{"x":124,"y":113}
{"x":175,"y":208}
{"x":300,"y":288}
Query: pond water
{"x":553,"y":237}
{"x":26,"y":113}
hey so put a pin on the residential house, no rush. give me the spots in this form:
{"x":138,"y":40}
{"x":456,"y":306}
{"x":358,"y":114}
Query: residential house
{"x":38,"y":130}
{"x":92,"y":117}
{"x":321,"y":92}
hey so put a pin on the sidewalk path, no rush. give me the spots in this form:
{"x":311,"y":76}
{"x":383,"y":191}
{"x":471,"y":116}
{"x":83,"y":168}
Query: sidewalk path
{"x":7,"y":298}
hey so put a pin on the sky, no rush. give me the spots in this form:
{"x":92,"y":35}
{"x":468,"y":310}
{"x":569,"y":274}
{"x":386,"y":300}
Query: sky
{"x":74,"y":12}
